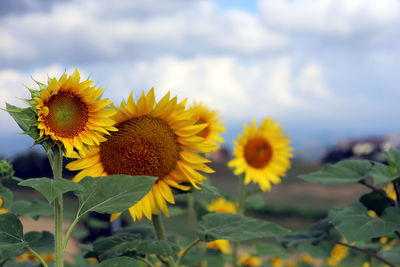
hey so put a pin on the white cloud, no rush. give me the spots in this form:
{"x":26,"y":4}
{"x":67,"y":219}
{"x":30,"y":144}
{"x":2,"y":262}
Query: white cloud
{"x":332,"y":17}
{"x":74,"y":32}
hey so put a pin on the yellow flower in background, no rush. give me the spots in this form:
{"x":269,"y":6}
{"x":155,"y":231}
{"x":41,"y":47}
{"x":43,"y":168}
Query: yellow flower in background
{"x":366,"y":264}
{"x":212,"y":132}
{"x":2,"y":211}
{"x":30,"y":257}
{"x":221,"y":245}
{"x":154,"y":139}
{"x":307,"y":258}
{"x":71,"y":112}
{"x":277,"y":262}
{"x":222,"y":205}
{"x":338,"y":253}
{"x":390,"y":192}
{"x":262,"y":154}
{"x":373,"y":214}
{"x":249,"y":261}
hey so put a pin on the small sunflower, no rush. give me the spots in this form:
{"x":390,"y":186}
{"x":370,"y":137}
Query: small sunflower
{"x":212,"y":132}
{"x":154,"y":139}
{"x":71,"y":112}
{"x":249,"y":260}
{"x":390,"y":192}
{"x":221,"y":245}
{"x":2,"y":211}
{"x":338,"y":253}
{"x":222,"y":205}
{"x":262,"y":154}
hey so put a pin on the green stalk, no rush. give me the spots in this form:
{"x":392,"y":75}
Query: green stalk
{"x":37,"y":256}
{"x":192,"y":213}
{"x":69,"y":232}
{"x":160,"y":233}
{"x":241,"y":202}
{"x":186,"y":250}
{"x":57,"y":165}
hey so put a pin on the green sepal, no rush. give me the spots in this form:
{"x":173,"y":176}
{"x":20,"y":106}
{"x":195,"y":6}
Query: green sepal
{"x":343,"y":172}
{"x":27,"y":120}
{"x":235,"y":227}
{"x":52,"y":188}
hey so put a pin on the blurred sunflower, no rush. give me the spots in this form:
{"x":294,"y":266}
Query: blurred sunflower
{"x":338,"y":253}
{"x":212,"y":132}
{"x":249,"y":261}
{"x":390,"y":192}
{"x":262,"y":154}
{"x":221,"y":245}
{"x":154,"y":139}
{"x":222,"y":205}
{"x":1,"y":209}
{"x":71,"y":112}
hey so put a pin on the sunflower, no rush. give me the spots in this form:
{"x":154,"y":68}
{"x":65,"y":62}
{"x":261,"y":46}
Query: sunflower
{"x":212,"y":132}
{"x":390,"y":192}
{"x":262,"y":154}
{"x":1,"y":209}
{"x":221,"y":245}
{"x":249,"y":260}
{"x":222,"y":205}
{"x":154,"y":139}
{"x":71,"y":112}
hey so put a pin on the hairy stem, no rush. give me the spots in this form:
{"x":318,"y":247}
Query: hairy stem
{"x":37,"y":256}
{"x":186,"y":250}
{"x":160,"y":233}
{"x":57,"y":165}
{"x":69,"y":232}
{"x":369,"y":252}
{"x":241,"y":206}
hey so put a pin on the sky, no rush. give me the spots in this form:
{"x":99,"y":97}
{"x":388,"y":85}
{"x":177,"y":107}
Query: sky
{"x":326,"y":69}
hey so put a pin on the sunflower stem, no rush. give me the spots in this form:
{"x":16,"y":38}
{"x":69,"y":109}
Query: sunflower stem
{"x":57,"y":165}
{"x":192,"y":213}
{"x":37,"y":256}
{"x":241,"y":206}
{"x":160,"y":233}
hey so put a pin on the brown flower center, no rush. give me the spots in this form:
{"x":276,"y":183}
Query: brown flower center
{"x":67,"y":115}
{"x":257,"y":152}
{"x":142,"y":146}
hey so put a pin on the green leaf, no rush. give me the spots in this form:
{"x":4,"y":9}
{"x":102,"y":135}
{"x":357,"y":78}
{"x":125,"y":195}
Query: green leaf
{"x":24,"y":117}
{"x":40,"y":241}
{"x":317,"y":232}
{"x":235,"y":227}
{"x":269,"y":249}
{"x":52,"y":188}
{"x":321,"y":250}
{"x":391,"y":218}
{"x":354,"y":223}
{"x":383,"y":174}
{"x":11,"y":233}
{"x":132,"y":241}
{"x":208,"y":189}
{"x":392,"y":255}
{"x":343,"y":172}
{"x":120,"y":262}
{"x":392,"y":156}
{"x":112,"y":194}
{"x":255,"y":201}
{"x":32,"y":209}
{"x":7,"y":196}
